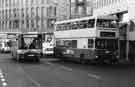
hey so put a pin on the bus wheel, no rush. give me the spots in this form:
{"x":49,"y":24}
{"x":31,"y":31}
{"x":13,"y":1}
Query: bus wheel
{"x":55,"y":55}
{"x":82,"y":60}
{"x":114,"y":60}
{"x":37,"y":59}
{"x":100,"y":60}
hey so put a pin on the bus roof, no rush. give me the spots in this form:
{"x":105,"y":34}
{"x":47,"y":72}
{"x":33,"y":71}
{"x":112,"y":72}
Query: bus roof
{"x":47,"y":32}
{"x":30,"y":33}
{"x":86,"y":18}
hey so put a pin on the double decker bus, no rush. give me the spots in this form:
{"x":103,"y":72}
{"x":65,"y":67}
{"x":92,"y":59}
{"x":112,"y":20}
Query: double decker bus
{"x":87,"y":39}
{"x":48,"y":44}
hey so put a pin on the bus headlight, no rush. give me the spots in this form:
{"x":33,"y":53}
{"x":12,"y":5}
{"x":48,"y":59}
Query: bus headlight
{"x":107,"y":52}
{"x":96,"y":57}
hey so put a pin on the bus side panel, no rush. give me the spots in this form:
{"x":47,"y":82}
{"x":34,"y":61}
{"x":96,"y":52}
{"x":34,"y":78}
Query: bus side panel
{"x":87,"y":54}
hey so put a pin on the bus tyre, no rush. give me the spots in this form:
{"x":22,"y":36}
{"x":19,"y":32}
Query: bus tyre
{"x":37,"y":59}
{"x":114,"y":60}
{"x":100,"y":60}
{"x":82,"y":60}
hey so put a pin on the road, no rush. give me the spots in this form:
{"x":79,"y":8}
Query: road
{"x":52,"y":72}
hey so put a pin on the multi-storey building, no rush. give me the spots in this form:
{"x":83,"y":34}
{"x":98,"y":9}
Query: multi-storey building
{"x":106,"y":7}
{"x":81,"y":8}
{"x":63,"y":9}
{"x":67,"y":9}
{"x":124,"y":10}
{"x":27,"y":15}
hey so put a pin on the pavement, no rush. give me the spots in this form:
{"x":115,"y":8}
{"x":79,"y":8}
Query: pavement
{"x":52,"y":72}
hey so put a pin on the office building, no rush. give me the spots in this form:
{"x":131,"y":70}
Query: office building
{"x":27,"y":15}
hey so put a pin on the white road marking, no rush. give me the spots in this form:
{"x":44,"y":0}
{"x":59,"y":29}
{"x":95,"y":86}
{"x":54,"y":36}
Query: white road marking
{"x":49,"y":63}
{"x":4,"y":84}
{"x":1,"y":76}
{"x":66,"y":68}
{"x":98,"y":78}
{"x":30,"y":78}
{"x":94,"y":76}
{"x":3,"y":80}
{"x":1,"y":73}
{"x":35,"y":82}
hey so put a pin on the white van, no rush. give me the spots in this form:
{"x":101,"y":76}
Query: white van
{"x":4,"y":47}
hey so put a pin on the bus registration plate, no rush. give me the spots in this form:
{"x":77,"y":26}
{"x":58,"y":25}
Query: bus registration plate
{"x":30,"y":55}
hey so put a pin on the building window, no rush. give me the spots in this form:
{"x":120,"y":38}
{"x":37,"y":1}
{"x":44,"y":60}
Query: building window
{"x":27,"y":24}
{"x":80,"y":1}
{"x":43,"y":12}
{"x":51,"y":11}
{"x":42,"y":2}
{"x":10,"y":24}
{"x":22,"y":12}
{"x":33,"y":12}
{"x":50,"y":23}
{"x":14,"y":12}
{"x":6,"y":14}
{"x":32,"y":23}
{"x":55,"y":11}
{"x":2,"y":14}
{"x":27,"y":13}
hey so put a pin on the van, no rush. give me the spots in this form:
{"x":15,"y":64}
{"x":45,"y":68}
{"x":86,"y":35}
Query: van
{"x":4,"y":48}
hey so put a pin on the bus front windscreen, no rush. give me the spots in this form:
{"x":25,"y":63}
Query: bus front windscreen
{"x":30,"y":42}
{"x":110,"y":44}
{"x":106,"y":23}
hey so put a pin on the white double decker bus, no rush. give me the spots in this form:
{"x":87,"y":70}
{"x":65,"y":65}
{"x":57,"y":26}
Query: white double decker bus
{"x":87,"y":39}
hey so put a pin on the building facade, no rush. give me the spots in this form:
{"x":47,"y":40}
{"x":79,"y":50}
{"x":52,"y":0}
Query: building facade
{"x":69,"y":9}
{"x":27,"y":15}
{"x":124,"y":10}
{"x":81,"y":8}
{"x":107,"y":7}
{"x":63,"y":9}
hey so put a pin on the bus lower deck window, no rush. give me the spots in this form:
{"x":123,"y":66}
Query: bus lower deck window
{"x":90,"y":43}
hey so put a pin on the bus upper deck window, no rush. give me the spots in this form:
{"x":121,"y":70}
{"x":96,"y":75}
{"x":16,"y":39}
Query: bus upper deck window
{"x":91,"y":23}
{"x":106,"y":23}
{"x":74,"y":25}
